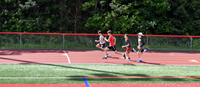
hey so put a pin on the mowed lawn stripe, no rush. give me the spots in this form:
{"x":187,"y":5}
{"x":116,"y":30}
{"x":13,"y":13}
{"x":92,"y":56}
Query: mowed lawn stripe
{"x":97,"y":70}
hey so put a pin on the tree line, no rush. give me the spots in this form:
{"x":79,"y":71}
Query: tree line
{"x":174,"y":17}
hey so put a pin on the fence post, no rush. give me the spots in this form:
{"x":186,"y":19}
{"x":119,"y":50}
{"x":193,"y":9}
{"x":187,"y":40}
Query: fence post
{"x":20,"y":41}
{"x":147,"y":41}
{"x":190,"y":44}
{"x":63,"y":42}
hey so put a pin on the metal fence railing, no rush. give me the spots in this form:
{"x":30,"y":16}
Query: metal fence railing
{"x":18,"y":40}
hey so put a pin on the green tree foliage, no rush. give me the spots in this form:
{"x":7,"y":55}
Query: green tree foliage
{"x":88,"y":16}
{"x":130,"y":16}
{"x":184,"y":17}
{"x":40,"y":15}
{"x":149,"y":16}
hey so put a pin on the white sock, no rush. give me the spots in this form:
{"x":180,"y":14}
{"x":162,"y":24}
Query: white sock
{"x":105,"y":56}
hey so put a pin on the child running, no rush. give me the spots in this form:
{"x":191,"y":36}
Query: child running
{"x":128,"y":47}
{"x":101,"y":41}
{"x":112,"y":41}
{"x":140,"y":46}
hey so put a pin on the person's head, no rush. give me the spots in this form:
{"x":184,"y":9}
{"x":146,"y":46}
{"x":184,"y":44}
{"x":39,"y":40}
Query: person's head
{"x":126,"y":36}
{"x":109,"y":32}
{"x":99,"y":32}
{"x":140,"y":34}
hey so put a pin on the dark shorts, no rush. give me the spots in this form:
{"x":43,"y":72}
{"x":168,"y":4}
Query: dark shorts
{"x":113,"y":48}
{"x":102,"y":45}
{"x":128,"y":49}
{"x":141,"y":50}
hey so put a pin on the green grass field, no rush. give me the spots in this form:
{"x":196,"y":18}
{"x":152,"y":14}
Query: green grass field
{"x":94,"y":70}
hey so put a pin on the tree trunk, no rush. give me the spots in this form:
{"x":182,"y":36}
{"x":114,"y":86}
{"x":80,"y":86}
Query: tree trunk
{"x":20,"y":10}
{"x":61,"y":14}
{"x":96,"y":5}
{"x":75,"y":20}
{"x":101,"y":9}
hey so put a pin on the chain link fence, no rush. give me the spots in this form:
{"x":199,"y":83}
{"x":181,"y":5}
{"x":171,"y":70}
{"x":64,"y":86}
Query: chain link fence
{"x":87,"y":42}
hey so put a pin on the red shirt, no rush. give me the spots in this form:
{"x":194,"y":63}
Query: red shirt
{"x":111,"y":40}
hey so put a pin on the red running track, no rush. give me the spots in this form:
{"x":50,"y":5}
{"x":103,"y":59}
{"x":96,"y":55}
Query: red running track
{"x":95,"y":57}
{"x":32,"y":56}
{"x":149,"y":58}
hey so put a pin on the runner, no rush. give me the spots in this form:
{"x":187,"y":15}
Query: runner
{"x":112,"y":41}
{"x":101,"y":41}
{"x":140,"y":46}
{"x":128,"y":47}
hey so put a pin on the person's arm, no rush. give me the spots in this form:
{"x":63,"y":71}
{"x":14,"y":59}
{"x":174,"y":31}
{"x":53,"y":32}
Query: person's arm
{"x":96,"y":40}
{"x":107,"y":40}
{"x":128,"y":42}
{"x":125,"y":45}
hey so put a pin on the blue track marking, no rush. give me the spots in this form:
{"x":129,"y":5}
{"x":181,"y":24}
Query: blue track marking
{"x":86,"y":82}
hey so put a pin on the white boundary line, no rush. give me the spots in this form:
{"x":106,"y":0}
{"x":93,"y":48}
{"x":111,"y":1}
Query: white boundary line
{"x":39,"y":77}
{"x":67,"y":56}
{"x":134,"y":77}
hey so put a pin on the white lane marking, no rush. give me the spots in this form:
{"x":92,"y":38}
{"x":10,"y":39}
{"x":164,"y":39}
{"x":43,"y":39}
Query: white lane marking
{"x":67,"y":56}
{"x":194,"y":61}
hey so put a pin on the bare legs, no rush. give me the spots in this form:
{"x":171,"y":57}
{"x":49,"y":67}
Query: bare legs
{"x":98,"y":46}
{"x":139,"y":55}
{"x":106,"y":50}
{"x":127,"y":54}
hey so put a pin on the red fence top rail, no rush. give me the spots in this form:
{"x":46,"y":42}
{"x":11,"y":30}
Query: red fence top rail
{"x":82,"y":34}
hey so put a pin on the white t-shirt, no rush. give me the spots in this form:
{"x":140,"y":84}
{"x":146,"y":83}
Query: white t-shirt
{"x":141,"y":43}
{"x":101,"y":37}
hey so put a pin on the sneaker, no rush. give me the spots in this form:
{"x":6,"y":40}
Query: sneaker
{"x":128,"y":59}
{"x":124,"y":55}
{"x":146,"y":49}
{"x":133,"y":50}
{"x":104,"y":58}
{"x":108,"y":54}
{"x":139,"y":60}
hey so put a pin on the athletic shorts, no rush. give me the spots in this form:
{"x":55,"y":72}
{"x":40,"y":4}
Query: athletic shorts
{"x":141,"y":50}
{"x":102,"y":45}
{"x":113,"y":48}
{"x":128,"y":49}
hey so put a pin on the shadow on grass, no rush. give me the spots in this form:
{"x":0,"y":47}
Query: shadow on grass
{"x":165,"y":79}
{"x":173,"y":79}
{"x":121,"y":79}
{"x":102,"y":73}
{"x":31,"y":62}
{"x":107,"y":79}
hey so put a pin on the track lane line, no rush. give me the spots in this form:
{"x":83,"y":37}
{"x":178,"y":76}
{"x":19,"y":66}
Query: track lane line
{"x":67,"y":57}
